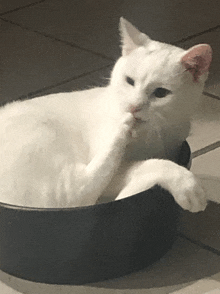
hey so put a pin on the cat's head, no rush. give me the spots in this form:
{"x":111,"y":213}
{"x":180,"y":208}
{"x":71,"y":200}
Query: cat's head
{"x":153,"y":77}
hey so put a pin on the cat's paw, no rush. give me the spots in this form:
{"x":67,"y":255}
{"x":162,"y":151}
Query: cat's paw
{"x":127,"y":124}
{"x":189,"y":193}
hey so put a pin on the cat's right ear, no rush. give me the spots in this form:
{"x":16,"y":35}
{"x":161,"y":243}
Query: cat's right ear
{"x":197,"y":60}
{"x":131,"y":37}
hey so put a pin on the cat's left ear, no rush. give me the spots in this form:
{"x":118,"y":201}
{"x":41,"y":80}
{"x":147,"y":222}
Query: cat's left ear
{"x":131,"y":37}
{"x":197,"y":60}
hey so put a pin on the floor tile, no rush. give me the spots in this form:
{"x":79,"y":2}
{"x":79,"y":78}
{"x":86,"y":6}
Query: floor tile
{"x":205,"y":286}
{"x":9,"y":5}
{"x":31,"y":62}
{"x":184,"y":265}
{"x":208,"y":164}
{"x":90,"y":24}
{"x":94,"y":24}
{"x":205,"y":226}
{"x":205,"y":124}
{"x":212,"y":38}
{"x":99,"y":78}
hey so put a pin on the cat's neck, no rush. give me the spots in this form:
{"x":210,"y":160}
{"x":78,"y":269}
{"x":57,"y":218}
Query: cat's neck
{"x":165,"y":145}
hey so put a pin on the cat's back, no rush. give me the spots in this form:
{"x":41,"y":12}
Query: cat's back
{"x":67,"y":109}
{"x":40,"y":140}
{"x":59,"y":102}
{"x":39,"y":119}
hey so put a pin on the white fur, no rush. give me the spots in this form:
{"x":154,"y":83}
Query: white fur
{"x":70,"y":149}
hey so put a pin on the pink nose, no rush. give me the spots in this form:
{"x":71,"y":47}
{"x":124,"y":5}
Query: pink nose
{"x":135,"y":109}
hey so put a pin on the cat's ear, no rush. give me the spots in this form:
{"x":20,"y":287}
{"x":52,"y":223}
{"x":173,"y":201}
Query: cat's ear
{"x":197,"y":60}
{"x":131,"y":37}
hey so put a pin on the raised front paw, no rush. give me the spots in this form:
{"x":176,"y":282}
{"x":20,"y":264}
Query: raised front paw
{"x":125,"y":129}
{"x":127,"y":124}
{"x":189,"y":194}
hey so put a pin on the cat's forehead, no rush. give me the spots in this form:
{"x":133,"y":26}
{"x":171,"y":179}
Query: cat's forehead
{"x":157,"y":57}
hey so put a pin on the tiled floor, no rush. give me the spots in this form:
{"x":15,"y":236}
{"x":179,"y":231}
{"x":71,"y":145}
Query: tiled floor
{"x":51,"y":46}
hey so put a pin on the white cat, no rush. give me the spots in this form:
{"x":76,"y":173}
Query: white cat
{"x":70,"y":149}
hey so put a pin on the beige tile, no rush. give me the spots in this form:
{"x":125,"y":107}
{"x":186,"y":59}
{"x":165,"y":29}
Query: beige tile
{"x":205,"y":226}
{"x":30,"y":62}
{"x":207,"y":164}
{"x":9,"y":5}
{"x":184,"y":265}
{"x":206,"y":124}
{"x":205,"y":286}
{"x":94,"y":24}
{"x":212,"y":38}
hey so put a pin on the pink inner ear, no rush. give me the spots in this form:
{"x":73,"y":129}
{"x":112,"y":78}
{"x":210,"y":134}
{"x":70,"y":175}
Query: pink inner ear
{"x":197,"y":61}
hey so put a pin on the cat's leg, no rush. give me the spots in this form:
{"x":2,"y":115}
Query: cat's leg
{"x":180,"y":182}
{"x":99,"y":172}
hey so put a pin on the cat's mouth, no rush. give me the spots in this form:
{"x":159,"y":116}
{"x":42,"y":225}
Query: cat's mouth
{"x":139,"y":120}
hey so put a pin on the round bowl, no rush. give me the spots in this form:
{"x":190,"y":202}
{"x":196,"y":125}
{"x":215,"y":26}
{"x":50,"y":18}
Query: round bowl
{"x":89,"y":244}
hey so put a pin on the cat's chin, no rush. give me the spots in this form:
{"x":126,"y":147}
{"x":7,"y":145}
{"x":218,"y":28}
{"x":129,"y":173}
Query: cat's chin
{"x":139,"y":130}
{"x":140,"y":124}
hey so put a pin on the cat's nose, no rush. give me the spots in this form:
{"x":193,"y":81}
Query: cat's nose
{"x":134,"y":109}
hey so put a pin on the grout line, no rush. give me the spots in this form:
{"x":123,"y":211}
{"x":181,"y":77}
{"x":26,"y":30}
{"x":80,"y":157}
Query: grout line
{"x":211,"y":95}
{"x":206,"y":149}
{"x":31,"y":94}
{"x":196,"y":35}
{"x":22,"y":7}
{"x":200,"y":244}
{"x":71,"y":44}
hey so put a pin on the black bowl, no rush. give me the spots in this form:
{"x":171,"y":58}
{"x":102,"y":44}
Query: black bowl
{"x":89,"y":244}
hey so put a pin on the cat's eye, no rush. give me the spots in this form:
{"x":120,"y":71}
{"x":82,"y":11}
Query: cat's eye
{"x":130,"y":81}
{"x":161,"y":92}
